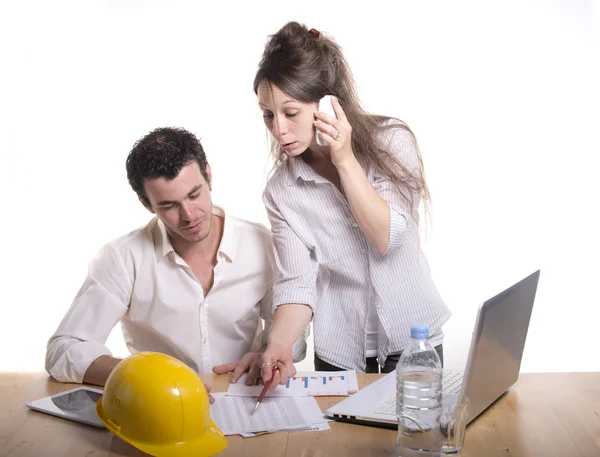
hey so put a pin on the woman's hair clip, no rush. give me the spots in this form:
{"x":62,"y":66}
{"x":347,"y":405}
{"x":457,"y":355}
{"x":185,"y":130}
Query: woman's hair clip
{"x":315,"y":32}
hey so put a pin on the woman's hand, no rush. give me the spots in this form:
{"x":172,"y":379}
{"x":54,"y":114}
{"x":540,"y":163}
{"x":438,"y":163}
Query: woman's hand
{"x":337,"y":133}
{"x":275,"y":356}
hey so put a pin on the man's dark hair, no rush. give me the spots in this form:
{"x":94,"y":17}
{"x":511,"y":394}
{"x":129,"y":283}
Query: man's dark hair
{"x":162,"y":153}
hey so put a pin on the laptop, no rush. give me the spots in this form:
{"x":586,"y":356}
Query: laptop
{"x":492,"y":366}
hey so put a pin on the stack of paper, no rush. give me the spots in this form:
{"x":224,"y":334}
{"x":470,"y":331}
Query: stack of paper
{"x":291,"y":407}
{"x":236,"y":415}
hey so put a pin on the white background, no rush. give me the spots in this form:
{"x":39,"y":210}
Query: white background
{"x":503,"y":98}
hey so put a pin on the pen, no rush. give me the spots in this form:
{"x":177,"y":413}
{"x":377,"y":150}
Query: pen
{"x":265,"y":388}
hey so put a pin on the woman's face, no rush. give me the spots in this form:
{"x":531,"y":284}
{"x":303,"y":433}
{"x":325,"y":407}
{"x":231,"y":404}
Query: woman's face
{"x":291,"y":122}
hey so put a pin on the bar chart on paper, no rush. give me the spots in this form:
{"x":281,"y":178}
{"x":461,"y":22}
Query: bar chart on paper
{"x":321,"y":383}
{"x":304,"y":383}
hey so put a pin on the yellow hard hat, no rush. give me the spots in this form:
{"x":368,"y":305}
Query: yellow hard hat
{"x":159,"y":405}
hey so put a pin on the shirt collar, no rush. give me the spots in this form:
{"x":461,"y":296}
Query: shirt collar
{"x":228,"y":240}
{"x":298,"y":168}
{"x":162,"y":243}
{"x":163,"y":246}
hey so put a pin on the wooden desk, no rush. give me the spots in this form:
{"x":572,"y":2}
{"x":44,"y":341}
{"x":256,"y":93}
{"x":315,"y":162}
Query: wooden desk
{"x":544,"y":415}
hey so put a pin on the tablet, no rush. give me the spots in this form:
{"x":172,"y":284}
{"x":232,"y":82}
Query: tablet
{"x":78,"y":404}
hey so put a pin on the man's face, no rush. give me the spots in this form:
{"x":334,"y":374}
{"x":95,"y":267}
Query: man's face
{"x":183,"y":203}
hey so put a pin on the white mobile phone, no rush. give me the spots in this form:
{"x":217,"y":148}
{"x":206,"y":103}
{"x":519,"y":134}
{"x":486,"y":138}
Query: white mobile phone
{"x":325,"y":106}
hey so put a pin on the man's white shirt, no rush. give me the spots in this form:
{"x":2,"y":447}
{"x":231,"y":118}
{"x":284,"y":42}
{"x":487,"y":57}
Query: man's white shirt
{"x":139,"y":280}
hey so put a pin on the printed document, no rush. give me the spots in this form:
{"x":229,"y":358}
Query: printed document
{"x":236,"y":415}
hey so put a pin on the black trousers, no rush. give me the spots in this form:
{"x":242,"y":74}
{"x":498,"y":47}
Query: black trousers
{"x":372,"y":365}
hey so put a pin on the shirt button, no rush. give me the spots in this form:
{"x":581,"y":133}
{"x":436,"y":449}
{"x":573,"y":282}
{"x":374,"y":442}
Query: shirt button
{"x":205,"y":340}
{"x":355,"y":225}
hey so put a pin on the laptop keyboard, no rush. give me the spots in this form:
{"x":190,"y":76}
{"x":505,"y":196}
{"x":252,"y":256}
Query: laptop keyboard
{"x":451,"y":384}
{"x":387,"y":407}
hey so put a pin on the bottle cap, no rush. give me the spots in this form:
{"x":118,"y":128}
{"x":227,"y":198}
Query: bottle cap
{"x":419,"y":332}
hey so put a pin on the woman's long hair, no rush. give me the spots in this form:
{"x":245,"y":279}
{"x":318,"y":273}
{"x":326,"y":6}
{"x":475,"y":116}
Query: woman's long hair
{"x":306,"y":65}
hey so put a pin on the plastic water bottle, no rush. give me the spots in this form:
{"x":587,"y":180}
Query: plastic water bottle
{"x":418,"y":397}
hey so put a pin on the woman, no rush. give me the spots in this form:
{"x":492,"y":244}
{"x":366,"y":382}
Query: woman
{"x":344,"y":217}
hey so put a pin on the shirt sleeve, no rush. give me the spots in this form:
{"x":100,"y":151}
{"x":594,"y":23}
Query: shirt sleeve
{"x":266,"y":312}
{"x":401,"y":145}
{"x":295,"y":263}
{"x":98,"y":307}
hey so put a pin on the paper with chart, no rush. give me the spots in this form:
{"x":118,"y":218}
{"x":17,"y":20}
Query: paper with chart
{"x":236,"y":415}
{"x":304,"y":383}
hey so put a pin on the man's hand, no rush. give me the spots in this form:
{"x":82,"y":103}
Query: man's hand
{"x":211,"y":399}
{"x":257,"y":367}
{"x":99,"y":370}
{"x":250,"y":363}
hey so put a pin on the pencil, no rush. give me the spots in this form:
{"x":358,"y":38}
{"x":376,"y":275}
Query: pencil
{"x":264,"y":389}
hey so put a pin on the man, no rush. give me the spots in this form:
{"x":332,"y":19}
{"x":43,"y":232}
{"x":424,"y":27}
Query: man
{"x":193,"y":283}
